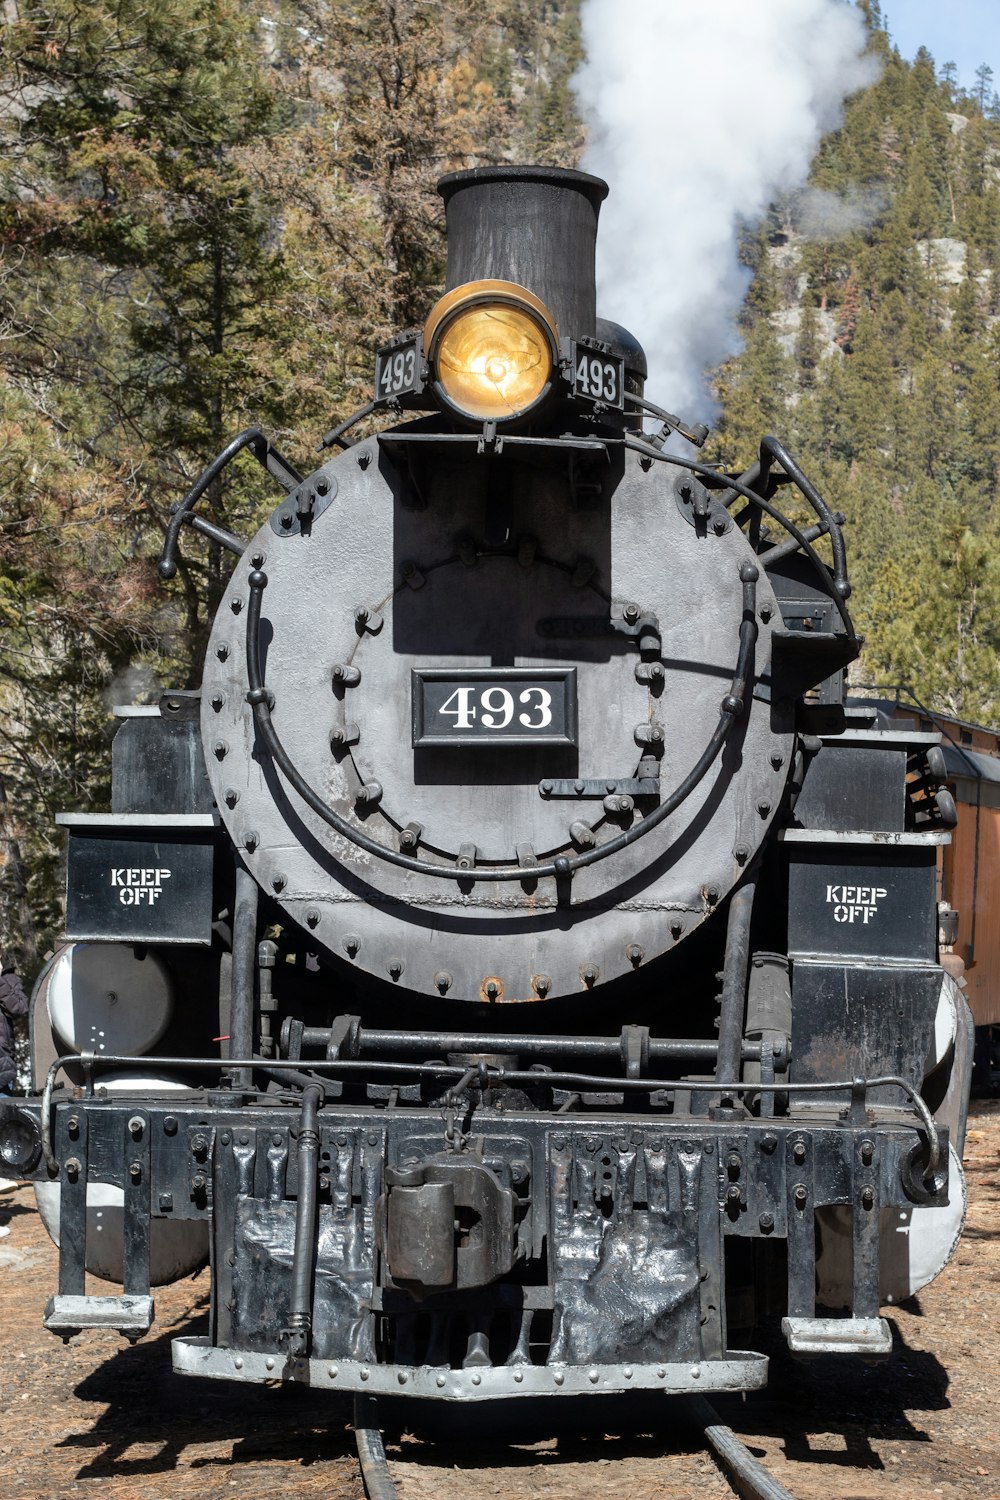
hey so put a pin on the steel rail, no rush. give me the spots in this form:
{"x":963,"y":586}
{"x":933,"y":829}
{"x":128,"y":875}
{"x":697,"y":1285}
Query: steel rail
{"x":375,"y":1474}
{"x":746,"y":1474}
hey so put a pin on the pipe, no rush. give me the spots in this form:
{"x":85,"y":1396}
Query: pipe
{"x":734,"y":982}
{"x":307,"y":1159}
{"x":244,"y":972}
{"x":434,"y":1043}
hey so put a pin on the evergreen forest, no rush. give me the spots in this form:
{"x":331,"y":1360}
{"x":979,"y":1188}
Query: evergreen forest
{"x":211,"y":214}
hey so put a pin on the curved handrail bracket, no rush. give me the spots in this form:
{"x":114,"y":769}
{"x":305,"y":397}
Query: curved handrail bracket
{"x":266,"y":455}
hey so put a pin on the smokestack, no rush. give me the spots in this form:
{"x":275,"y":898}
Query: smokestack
{"x":536,"y":226}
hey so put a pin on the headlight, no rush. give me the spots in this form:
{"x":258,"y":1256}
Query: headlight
{"x":20,"y":1141}
{"x":492,"y":347}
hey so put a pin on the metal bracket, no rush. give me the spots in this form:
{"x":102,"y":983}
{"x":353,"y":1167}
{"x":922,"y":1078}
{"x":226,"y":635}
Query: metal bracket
{"x":599,"y":787}
{"x":180,"y":703}
{"x":305,"y":504}
{"x":699,"y":507}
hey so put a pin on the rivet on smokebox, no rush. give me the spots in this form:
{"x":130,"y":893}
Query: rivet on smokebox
{"x":394,"y":968}
{"x":443,"y":981}
{"x":635,"y":953}
{"x":541,"y":984}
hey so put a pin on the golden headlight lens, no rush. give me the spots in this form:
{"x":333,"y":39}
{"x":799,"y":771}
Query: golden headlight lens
{"x":492,"y":346}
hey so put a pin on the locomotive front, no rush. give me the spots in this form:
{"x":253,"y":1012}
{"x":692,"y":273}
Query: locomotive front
{"x":572,"y":950}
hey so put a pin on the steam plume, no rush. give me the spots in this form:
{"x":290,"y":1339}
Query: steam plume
{"x":699,"y":115}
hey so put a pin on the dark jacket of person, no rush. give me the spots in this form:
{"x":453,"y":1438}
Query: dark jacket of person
{"x":13,"y":1003}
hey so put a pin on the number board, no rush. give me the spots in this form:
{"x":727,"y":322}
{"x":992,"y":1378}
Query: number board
{"x":598,"y":376}
{"x":398,"y":370}
{"x":494,"y":706}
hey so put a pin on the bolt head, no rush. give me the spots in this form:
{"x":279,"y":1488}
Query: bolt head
{"x":766,"y":1222}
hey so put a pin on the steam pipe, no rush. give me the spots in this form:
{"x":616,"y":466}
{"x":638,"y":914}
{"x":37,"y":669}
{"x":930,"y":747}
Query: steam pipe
{"x":427,"y":1043}
{"x":734,"y":983}
{"x":307,"y":1159}
{"x":244,"y":972}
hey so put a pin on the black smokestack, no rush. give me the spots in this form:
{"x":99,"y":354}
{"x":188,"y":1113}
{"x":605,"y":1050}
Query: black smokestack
{"x":536,"y":226}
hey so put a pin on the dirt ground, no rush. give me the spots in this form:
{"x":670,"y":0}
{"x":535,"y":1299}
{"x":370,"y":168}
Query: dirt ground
{"x":100,"y":1415}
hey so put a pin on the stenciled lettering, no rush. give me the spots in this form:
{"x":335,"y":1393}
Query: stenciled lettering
{"x":855,"y":903}
{"x":139,"y":886}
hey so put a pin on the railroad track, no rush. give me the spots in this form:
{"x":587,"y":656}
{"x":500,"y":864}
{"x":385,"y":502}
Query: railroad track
{"x":748,"y":1478}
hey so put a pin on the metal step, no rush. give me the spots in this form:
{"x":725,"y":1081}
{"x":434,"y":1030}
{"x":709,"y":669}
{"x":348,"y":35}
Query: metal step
{"x":869,"y":1336}
{"x":67,"y":1315}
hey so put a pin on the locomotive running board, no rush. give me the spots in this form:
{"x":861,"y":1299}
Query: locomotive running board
{"x":807,"y":1336}
{"x":739,"y":1371}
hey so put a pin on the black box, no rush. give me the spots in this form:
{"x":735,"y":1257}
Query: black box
{"x":133,"y":878}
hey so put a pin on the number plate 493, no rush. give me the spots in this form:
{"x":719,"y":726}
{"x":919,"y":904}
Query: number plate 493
{"x":494,"y":706}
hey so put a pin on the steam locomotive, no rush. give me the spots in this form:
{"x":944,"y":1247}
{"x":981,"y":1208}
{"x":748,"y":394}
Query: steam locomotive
{"x":515,"y":968}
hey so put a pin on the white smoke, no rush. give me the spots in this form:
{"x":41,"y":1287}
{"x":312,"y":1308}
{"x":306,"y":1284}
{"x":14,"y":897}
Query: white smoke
{"x":135,"y":684}
{"x":698,"y":116}
{"x":822,"y":215}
